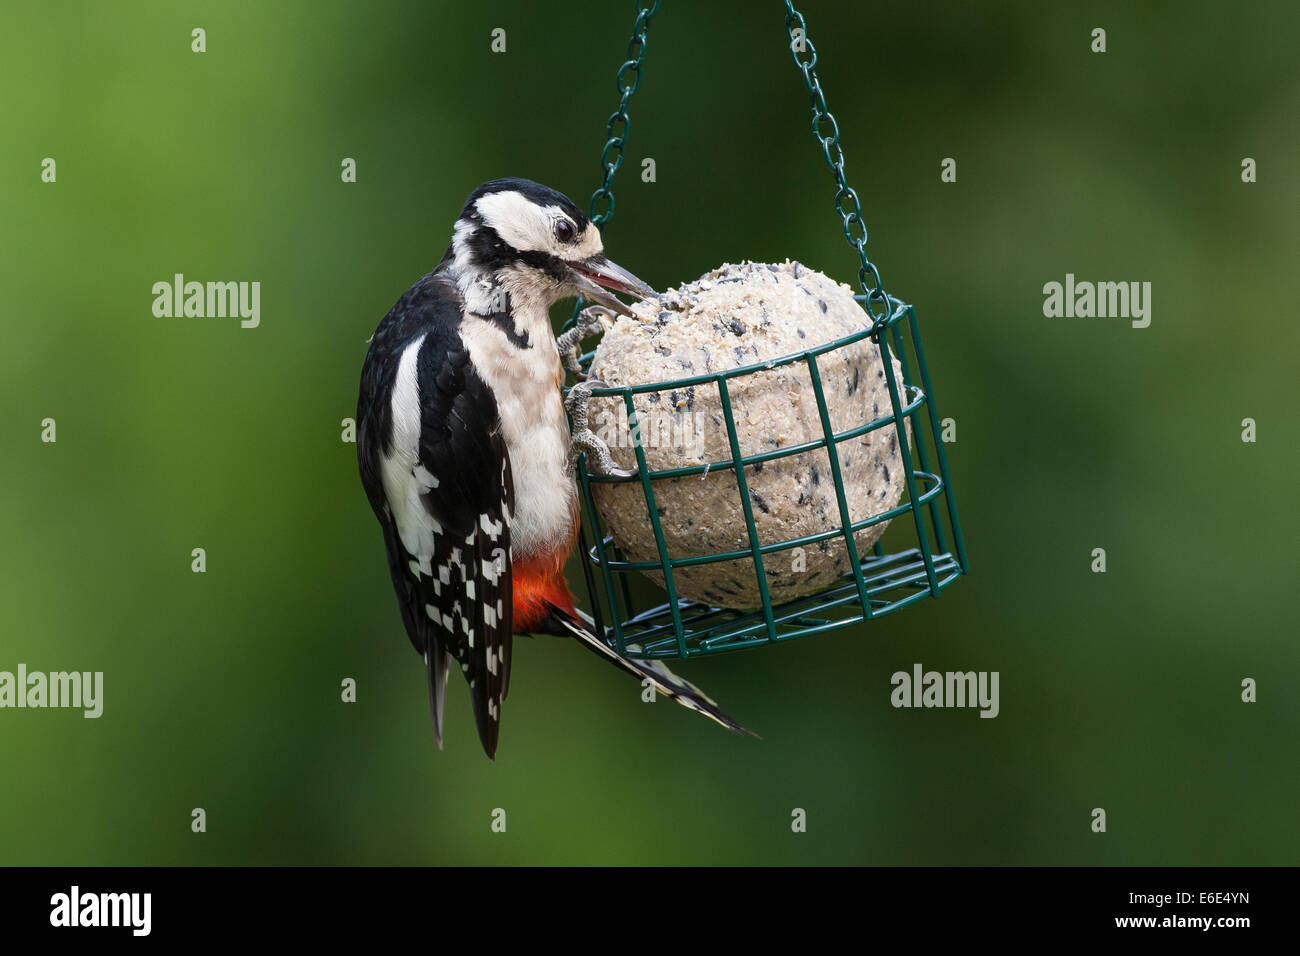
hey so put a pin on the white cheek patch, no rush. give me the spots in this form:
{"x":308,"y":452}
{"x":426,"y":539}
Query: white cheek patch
{"x":531,"y":228}
{"x":522,"y":224}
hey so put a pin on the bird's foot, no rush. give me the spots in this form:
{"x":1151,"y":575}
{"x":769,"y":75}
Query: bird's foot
{"x":583,"y":440}
{"x":590,"y":321}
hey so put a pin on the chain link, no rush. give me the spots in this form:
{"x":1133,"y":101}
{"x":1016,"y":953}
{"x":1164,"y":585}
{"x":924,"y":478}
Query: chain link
{"x":827,"y":131}
{"x":627,"y":81}
{"x":601,"y":209}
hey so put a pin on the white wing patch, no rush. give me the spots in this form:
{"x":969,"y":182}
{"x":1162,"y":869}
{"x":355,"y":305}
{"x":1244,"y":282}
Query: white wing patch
{"x":403,"y":477}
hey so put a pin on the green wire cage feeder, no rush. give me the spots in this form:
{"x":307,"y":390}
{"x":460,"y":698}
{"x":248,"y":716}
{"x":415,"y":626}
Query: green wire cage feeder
{"x":880,"y":581}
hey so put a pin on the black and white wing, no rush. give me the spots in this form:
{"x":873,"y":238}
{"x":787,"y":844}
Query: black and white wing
{"x":437,"y":472}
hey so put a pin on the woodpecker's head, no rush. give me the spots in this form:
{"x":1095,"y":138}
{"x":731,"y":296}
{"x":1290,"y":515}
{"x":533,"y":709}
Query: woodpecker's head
{"x":534,"y":242}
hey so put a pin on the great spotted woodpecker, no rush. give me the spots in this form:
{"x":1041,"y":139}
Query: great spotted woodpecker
{"x":466,"y":453}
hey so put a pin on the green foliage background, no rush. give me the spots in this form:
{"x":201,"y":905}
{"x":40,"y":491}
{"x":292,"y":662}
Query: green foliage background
{"x":1119,"y":690}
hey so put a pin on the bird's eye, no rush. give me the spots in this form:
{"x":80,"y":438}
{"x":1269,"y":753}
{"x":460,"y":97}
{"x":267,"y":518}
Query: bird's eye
{"x":564,"y":230}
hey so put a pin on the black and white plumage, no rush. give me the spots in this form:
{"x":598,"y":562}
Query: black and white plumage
{"x":465,"y":451}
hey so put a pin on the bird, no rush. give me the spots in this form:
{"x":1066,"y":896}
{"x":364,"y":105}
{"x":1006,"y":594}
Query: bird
{"x":466,"y":452}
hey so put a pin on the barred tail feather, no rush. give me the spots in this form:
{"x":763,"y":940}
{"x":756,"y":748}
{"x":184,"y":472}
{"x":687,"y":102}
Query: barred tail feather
{"x":664,"y":680}
{"x":436,"y":663}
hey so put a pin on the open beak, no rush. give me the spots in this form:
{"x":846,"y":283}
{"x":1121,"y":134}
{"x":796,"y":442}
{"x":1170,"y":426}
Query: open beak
{"x":593,"y":276}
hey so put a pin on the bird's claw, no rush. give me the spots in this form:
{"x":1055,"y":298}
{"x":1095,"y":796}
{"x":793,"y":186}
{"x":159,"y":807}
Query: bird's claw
{"x":583,"y":440}
{"x":590,"y":321}
{"x":598,"y":456}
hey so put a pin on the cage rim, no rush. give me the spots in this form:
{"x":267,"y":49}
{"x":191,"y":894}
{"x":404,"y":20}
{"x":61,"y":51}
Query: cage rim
{"x":802,"y":611}
{"x":873,"y":329}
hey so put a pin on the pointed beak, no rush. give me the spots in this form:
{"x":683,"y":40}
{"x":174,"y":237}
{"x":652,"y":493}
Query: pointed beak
{"x":593,"y":276}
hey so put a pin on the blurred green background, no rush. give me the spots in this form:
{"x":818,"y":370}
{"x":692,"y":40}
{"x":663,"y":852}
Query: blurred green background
{"x":1118,"y":690}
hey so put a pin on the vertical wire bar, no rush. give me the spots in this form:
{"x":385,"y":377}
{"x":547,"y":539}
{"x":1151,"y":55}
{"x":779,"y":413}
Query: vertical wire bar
{"x":593,"y":521}
{"x":584,"y":558}
{"x":900,"y":435}
{"x":846,"y":522}
{"x":743,"y":487}
{"x":623,"y":585}
{"x":878,"y":549}
{"x":936,"y":524}
{"x":628,"y":603}
{"x":938,"y":444}
{"x":665,"y":562}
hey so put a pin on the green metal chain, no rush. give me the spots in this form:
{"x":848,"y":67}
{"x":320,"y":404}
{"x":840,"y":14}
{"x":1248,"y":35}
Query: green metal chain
{"x":616,"y":130}
{"x":824,"y":127}
{"x":827,"y":131}
{"x":611,"y":158}
{"x":618,"y":126}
